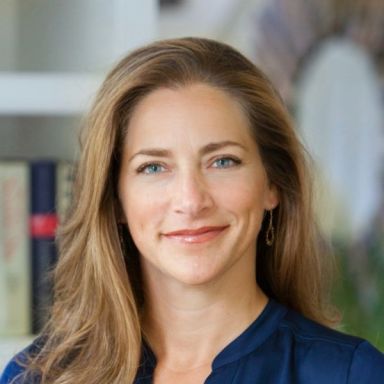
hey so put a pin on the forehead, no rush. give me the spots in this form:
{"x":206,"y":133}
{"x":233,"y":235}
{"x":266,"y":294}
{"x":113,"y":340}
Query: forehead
{"x":197,"y":112}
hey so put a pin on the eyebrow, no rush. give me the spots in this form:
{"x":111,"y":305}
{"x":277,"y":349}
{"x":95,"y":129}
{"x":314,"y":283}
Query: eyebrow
{"x":211,"y":147}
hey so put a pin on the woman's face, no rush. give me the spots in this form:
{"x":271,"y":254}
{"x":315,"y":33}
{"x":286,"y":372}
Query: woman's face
{"x":192,"y":185}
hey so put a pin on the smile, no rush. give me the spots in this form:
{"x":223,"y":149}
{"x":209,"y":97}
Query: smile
{"x":193,"y":236}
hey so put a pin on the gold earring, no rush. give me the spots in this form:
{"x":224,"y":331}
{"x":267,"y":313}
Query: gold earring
{"x":270,"y":234}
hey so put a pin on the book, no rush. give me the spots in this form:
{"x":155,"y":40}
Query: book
{"x":34,"y":197}
{"x":43,"y":223}
{"x":64,"y":183}
{"x":15,"y":279}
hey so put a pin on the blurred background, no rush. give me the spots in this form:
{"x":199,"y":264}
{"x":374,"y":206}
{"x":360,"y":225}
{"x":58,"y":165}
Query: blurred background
{"x":326,"y":58}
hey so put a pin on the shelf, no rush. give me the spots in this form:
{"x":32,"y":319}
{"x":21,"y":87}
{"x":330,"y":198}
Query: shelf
{"x":49,"y":93}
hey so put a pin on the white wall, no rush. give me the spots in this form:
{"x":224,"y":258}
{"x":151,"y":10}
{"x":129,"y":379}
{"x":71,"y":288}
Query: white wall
{"x":81,"y":35}
{"x":8,"y":34}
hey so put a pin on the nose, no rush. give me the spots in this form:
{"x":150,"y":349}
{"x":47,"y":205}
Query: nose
{"x":191,"y":194}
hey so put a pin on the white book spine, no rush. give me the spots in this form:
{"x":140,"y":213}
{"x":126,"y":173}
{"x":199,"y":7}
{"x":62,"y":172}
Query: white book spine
{"x":15,"y":313}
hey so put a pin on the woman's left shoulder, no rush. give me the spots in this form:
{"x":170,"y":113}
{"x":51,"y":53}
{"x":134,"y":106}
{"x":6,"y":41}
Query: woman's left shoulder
{"x":367,"y":364}
{"x":327,"y":348}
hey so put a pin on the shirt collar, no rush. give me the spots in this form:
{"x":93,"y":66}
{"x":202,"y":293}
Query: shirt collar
{"x":253,"y":336}
{"x":250,"y":339}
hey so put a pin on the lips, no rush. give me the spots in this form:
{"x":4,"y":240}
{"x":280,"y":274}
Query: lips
{"x":199,"y":235}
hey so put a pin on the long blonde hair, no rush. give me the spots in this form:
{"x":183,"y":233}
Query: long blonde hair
{"x":94,"y":334}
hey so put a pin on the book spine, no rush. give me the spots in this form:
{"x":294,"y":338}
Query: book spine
{"x":64,"y":183}
{"x":15,"y":269}
{"x":43,"y":223}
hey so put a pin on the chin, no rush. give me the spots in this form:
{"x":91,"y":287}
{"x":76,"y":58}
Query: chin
{"x":194,"y":281}
{"x":197,"y":276}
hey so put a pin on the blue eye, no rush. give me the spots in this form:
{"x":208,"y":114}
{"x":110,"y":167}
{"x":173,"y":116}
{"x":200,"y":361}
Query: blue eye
{"x":151,"y":168}
{"x":226,"y":162}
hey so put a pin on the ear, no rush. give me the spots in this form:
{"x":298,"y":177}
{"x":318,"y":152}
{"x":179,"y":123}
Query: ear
{"x":272,"y":197}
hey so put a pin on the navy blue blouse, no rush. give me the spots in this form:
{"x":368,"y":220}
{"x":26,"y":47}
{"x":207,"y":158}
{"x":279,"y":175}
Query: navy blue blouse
{"x":279,"y":347}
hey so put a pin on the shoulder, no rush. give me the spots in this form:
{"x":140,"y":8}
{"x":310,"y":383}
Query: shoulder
{"x":324,"y":351}
{"x":15,"y":370}
{"x":283,"y":346}
{"x":306,"y":330}
{"x":367,"y":364}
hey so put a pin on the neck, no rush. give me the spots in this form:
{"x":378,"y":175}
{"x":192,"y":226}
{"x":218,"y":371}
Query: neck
{"x":187,"y":326}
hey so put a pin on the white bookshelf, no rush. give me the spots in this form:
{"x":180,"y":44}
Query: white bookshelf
{"x":54,"y":55}
{"x":30,"y":93}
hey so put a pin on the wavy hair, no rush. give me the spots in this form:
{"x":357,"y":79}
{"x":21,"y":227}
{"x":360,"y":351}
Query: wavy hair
{"x":94,"y":334}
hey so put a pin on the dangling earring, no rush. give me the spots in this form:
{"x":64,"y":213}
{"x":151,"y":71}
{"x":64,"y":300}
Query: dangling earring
{"x":270,"y":234}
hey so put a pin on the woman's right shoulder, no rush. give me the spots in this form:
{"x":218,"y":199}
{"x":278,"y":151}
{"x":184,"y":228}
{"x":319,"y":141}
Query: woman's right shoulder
{"x":15,"y":370}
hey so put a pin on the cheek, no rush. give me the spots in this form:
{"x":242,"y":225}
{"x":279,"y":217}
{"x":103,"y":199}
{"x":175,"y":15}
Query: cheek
{"x":245,"y":201}
{"x":142,"y":211}
{"x":242,"y":195}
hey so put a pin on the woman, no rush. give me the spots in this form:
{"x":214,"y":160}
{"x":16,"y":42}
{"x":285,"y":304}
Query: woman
{"x":190,"y":254}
